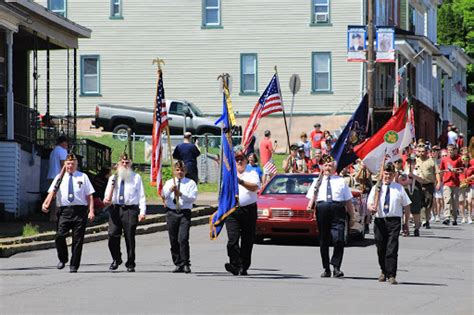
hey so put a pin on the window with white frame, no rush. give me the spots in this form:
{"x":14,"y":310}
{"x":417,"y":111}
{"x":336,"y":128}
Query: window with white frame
{"x":211,"y":13}
{"x":115,"y":8}
{"x":90,"y":75}
{"x":248,"y":73}
{"x":58,"y":7}
{"x":321,"y":72}
{"x":320,"y":11}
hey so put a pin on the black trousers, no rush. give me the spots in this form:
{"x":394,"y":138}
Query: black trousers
{"x":75,"y":219}
{"x":331,"y":218}
{"x":427,"y":191}
{"x":240,"y":225}
{"x":386,"y":232}
{"x":178,"y":230}
{"x":123,"y":218}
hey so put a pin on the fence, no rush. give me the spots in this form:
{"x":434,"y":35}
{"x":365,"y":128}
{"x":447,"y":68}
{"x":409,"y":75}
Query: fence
{"x":140,"y":148}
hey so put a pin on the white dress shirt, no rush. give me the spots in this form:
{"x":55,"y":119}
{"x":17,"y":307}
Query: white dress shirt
{"x":57,"y":155}
{"x":188,"y":189}
{"x":340,"y":190}
{"x":134,"y":193}
{"x":247,"y":197}
{"x":398,"y":199}
{"x":82,"y":188}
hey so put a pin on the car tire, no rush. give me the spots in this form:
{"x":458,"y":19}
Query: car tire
{"x":121,"y":132}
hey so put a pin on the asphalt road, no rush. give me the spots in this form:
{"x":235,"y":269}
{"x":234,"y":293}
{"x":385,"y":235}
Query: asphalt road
{"x":435,"y":275}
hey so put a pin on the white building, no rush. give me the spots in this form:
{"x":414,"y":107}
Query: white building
{"x":200,"y":40}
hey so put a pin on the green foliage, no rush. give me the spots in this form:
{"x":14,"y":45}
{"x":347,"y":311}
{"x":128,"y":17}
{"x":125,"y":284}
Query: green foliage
{"x":456,"y":27}
{"x":30,"y":230}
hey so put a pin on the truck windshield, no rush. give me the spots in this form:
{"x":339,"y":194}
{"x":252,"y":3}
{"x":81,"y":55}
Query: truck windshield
{"x":196,"y":110}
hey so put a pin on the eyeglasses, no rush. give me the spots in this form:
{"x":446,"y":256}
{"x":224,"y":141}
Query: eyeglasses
{"x":125,"y":162}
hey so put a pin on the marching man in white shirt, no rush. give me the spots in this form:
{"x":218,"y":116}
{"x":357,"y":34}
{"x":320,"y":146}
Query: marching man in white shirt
{"x":126,"y":194}
{"x":75,"y":204}
{"x":179,"y":194}
{"x":333,"y":199}
{"x":393,"y":203}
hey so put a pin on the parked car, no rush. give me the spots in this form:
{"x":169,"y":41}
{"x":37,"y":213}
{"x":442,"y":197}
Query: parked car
{"x":282,"y":210}
{"x":118,"y":118}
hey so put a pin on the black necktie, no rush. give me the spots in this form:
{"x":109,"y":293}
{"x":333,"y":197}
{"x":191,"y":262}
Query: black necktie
{"x":122,"y":193}
{"x":70,"y":193}
{"x":386,"y":204}
{"x":329,"y":190}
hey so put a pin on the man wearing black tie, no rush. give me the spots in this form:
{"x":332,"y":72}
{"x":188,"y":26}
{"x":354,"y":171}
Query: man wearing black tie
{"x":75,"y":203}
{"x":333,"y":199}
{"x":392,"y":204}
{"x":179,"y":194}
{"x":126,"y":194}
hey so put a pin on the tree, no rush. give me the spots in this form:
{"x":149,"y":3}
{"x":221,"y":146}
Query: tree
{"x":456,"y":27}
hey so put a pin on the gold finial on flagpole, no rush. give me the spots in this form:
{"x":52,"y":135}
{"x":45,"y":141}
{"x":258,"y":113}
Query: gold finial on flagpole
{"x":159,"y":62}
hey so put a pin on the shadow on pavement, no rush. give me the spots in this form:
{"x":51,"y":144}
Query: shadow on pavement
{"x":271,"y":276}
{"x":361,"y":278}
{"x":424,"y":284}
{"x":361,"y":243}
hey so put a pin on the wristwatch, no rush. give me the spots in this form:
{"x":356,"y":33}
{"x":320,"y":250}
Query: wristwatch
{"x":240,"y":181}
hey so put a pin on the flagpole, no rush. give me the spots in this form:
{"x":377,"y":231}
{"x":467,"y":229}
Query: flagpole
{"x":159,"y":61}
{"x":283,"y":109}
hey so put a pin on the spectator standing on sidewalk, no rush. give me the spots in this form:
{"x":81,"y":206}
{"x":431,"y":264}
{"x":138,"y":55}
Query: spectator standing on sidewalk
{"x":316,"y":136}
{"x":450,"y":168}
{"x":56,"y":163}
{"x":188,"y":153}
{"x":306,"y":144}
{"x":266,"y":149}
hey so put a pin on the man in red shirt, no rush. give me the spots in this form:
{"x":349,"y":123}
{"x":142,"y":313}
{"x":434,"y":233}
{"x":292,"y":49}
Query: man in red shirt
{"x":266,"y":151}
{"x":450,"y":168}
{"x":316,"y":136}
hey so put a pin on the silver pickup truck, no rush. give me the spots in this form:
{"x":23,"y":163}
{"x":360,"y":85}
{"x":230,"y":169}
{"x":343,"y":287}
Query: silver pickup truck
{"x":118,"y":118}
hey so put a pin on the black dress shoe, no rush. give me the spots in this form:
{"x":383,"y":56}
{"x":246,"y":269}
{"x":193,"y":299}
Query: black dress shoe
{"x":178,"y":269}
{"x":60,"y":265}
{"x":417,"y":232}
{"x":131,"y":269}
{"x":326,"y":274}
{"x":243,"y":272}
{"x":73,"y":270}
{"x":233,"y":270}
{"x":115,"y":264}
{"x":186,"y":269}
{"x":337,"y":273}
{"x":455,"y":222}
{"x":427,"y":226}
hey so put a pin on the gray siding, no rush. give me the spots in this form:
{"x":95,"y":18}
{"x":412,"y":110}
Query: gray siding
{"x":10,"y":174}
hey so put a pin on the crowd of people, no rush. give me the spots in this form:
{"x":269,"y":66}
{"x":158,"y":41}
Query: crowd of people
{"x":439,"y":178}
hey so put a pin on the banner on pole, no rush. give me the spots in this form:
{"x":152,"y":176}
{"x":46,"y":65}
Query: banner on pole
{"x":356,"y":43}
{"x":385,"y":44}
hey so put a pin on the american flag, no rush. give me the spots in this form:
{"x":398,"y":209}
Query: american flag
{"x":269,"y":102}
{"x":159,"y":124}
{"x":270,"y":168}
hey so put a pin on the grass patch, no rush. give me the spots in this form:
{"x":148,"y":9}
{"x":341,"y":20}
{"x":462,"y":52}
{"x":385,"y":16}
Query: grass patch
{"x":30,"y":230}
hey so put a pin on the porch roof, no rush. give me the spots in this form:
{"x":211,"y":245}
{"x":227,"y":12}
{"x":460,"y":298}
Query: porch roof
{"x":33,"y":17}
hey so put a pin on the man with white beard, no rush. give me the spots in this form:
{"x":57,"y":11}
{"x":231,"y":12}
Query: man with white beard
{"x":126,"y":194}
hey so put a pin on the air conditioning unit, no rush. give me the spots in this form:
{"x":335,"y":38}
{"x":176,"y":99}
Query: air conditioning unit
{"x":321,"y":17}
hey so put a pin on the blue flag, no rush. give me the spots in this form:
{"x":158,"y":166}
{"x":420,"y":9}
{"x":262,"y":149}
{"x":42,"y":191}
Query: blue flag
{"x":354,"y":133}
{"x":229,"y":189}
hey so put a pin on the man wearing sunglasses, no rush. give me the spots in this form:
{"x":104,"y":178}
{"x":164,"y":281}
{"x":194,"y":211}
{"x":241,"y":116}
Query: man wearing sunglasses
{"x":126,"y":194}
{"x":241,"y":224}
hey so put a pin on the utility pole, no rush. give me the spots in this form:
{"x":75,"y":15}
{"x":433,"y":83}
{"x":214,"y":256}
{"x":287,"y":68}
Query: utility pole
{"x":371,"y":61}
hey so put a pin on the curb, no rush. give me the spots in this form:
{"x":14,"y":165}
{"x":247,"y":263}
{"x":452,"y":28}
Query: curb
{"x":152,"y":224}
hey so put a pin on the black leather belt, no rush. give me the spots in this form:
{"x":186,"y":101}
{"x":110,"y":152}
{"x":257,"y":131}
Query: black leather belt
{"x":333,"y":202}
{"x":78,"y":207}
{"x":176,"y":210}
{"x":125,"y":207}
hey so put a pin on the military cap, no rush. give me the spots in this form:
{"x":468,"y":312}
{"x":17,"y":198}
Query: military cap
{"x":327,"y":158}
{"x":389,"y":167}
{"x":71,"y":157}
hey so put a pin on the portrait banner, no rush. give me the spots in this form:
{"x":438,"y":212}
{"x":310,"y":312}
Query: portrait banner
{"x":356,"y":43}
{"x":385,"y":44}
